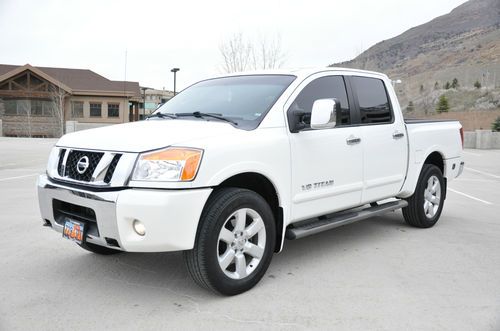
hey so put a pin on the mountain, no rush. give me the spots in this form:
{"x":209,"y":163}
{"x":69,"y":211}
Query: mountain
{"x":463,"y":44}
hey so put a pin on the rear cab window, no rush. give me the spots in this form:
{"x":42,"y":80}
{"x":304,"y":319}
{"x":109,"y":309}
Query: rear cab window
{"x":373,"y":100}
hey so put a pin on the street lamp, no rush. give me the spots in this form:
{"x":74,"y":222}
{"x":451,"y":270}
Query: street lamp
{"x":143,"y":88}
{"x":174,"y":70}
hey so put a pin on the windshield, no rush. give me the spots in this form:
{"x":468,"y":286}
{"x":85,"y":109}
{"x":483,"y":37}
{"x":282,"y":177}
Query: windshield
{"x":243,"y":99}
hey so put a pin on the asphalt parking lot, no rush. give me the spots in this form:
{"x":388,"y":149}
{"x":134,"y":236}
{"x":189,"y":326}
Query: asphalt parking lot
{"x":378,"y":274}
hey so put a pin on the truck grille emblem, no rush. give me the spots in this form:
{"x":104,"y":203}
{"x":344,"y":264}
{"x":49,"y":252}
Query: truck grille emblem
{"x":82,"y":164}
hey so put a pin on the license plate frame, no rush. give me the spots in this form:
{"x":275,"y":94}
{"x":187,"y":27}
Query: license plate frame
{"x":74,"y":230}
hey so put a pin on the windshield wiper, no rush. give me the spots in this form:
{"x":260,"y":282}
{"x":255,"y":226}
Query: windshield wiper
{"x":198,"y":114}
{"x":162,"y":115}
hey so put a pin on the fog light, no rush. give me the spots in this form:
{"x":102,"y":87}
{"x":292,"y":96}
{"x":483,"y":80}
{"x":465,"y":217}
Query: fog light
{"x":139,"y":228}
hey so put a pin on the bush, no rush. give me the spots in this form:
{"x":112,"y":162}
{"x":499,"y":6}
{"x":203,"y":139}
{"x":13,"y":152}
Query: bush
{"x":443,"y":106}
{"x":495,"y":126}
{"x":477,"y":84}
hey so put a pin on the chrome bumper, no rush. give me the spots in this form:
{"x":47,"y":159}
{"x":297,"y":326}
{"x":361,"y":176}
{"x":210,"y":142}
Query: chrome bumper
{"x":102,"y":203}
{"x":170,"y":216}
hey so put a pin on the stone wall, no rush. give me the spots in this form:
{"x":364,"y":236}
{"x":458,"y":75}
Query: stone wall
{"x":34,"y":126}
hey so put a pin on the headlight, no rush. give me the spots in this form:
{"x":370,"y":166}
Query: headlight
{"x":170,"y":165}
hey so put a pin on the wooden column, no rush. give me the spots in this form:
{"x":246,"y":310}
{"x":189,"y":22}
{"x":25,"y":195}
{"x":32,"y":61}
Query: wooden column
{"x":136,"y":113}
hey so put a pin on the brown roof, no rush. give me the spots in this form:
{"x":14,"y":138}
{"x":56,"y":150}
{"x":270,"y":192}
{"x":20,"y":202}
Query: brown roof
{"x":80,"y":80}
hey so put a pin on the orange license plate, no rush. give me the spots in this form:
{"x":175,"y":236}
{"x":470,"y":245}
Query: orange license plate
{"x":73,"y":230}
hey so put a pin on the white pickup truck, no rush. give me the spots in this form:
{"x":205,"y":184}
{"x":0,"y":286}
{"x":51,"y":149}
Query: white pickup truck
{"x":233,"y":165}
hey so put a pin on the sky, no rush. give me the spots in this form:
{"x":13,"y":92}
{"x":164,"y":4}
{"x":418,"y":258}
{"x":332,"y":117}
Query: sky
{"x":142,"y":40}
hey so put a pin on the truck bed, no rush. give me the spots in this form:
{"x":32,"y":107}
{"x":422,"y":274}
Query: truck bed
{"x":421,"y":121}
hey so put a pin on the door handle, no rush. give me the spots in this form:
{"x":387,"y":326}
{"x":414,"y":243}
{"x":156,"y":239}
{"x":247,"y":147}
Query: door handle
{"x":398,"y":135}
{"x":353,"y":140}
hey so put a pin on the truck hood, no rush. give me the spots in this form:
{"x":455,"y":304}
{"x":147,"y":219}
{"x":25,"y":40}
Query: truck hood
{"x":145,"y":135}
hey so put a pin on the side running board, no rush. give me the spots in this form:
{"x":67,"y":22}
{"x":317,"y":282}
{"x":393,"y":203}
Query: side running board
{"x":324,"y":223}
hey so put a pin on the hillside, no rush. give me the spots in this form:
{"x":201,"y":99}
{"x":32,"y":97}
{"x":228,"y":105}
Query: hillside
{"x":463,"y":44}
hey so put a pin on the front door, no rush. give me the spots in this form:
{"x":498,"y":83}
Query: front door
{"x":326,"y":164}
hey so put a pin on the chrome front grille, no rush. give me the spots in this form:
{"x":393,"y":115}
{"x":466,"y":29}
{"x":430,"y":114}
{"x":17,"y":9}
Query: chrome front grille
{"x":112,"y":167}
{"x":96,"y":168}
{"x":72,"y":168}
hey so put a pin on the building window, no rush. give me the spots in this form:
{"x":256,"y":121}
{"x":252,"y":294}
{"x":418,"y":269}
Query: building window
{"x":77,"y":109}
{"x":113,"y":109}
{"x":10,"y":107}
{"x":27,"y":107}
{"x":95,"y":110}
{"x":37,"y":107}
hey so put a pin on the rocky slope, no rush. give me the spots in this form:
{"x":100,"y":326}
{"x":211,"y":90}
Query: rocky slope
{"x":463,"y":44}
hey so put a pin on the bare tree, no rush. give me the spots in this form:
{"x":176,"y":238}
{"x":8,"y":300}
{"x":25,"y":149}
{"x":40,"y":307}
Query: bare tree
{"x":58,"y":96}
{"x":24,"y":110}
{"x":236,"y":52}
{"x":240,"y":54}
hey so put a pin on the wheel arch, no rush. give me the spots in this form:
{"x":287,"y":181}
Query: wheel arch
{"x":263,"y":186}
{"x":437,"y":159}
{"x":433,"y":156}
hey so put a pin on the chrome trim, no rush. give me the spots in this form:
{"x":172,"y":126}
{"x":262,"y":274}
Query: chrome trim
{"x":352,"y":140}
{"x":102,"y":167}
{"x":63,"y":165}
{"x":102,"y":203}
{"x":398,"y":135}
{"x":120,"y":177}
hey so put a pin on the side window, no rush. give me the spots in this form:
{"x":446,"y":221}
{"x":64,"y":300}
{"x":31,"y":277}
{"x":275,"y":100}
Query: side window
{"x":373,"y":102}
{"x":323,"y":88}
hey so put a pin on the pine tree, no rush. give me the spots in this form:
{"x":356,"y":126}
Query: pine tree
{"x":410,"y":107}
{"x":436,"y":86}
{"x":443,"y":105}
{"x":447,"y":86}
{"x":477,"y":84}
{"x":421,"y":88}
{"x":454,"y":83}
{"x":495,"y":126}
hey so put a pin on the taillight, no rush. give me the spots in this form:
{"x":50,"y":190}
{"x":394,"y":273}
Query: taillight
{"x":462,"y":136}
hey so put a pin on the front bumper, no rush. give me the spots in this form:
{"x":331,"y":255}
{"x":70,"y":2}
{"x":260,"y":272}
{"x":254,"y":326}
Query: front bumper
{"x":170,"y":216}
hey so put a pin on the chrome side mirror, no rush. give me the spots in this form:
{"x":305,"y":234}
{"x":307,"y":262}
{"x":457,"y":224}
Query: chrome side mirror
{"x":324,"y":114}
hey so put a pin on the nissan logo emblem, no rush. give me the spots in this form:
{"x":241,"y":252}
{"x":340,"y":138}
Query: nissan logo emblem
{"x":82,"y":164}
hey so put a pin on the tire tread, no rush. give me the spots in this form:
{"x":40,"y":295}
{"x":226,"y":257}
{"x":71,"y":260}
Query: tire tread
{"x":195,"y":258}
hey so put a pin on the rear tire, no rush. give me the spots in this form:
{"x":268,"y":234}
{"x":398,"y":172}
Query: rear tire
{"x":235,"y":242}
{"x":97,"y":249}
{"x":425,"y":205}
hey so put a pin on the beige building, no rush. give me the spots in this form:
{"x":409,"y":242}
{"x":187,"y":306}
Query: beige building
{"x":152,"y":99}
{"x":37,"y":101}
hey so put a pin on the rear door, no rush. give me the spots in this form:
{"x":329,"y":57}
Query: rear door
{"x":326,"y":164}
{"x":385,"y":150}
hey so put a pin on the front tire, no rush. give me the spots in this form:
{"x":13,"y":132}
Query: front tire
{"x":235,"y":242}
{"x":425,"y":205}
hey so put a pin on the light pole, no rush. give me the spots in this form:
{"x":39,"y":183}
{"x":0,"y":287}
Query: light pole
{"x":174,"y":70}
{"x":144,"y":100}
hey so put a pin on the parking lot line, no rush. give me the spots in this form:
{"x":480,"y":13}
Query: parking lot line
{"x":470,"y":153}
{"x":482,"y":172}
{"x":470,"y":196}
{"x":17,"y":177}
